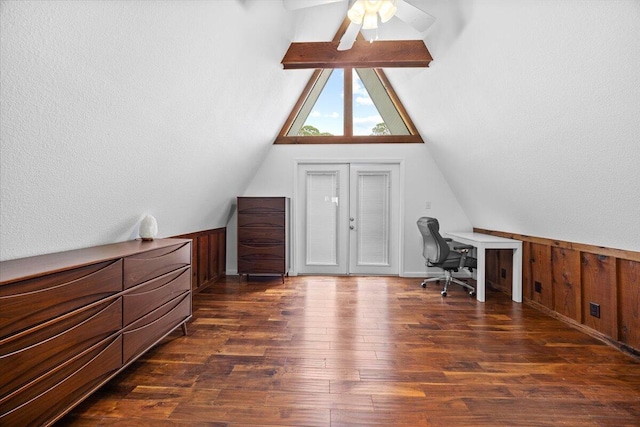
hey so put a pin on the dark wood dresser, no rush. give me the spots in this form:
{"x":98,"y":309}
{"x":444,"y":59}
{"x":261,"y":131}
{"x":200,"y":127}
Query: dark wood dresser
{"x":71,"y":321}
{"x":263,"y":235}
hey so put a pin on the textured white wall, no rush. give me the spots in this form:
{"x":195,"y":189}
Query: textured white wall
{"x":113,"y":109}
{"x":532,"y":111}
{"x":423,"y":182}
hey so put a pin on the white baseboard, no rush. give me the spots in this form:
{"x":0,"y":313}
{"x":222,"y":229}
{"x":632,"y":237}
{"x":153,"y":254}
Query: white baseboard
{"x":416,"y":274}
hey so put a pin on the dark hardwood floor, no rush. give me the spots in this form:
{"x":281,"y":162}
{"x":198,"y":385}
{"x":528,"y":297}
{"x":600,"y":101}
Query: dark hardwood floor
{"x":325,"y":351}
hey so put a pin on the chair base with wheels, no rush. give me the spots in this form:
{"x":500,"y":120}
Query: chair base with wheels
{"x":448,"y":278}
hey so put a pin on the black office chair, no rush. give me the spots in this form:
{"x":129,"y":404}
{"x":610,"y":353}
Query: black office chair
{"x":438,"y":252}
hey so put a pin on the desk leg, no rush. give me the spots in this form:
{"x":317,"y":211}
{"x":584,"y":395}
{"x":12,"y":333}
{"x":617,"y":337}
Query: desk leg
{"x":480,"y":273}
{"x":516,"y":290}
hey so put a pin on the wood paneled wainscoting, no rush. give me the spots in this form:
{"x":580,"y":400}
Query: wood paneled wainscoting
{"x":208,"y":258}
{"x":593,"y":287}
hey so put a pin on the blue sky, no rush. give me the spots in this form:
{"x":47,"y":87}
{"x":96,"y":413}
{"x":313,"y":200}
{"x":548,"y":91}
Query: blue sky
{"x":327,"y":114}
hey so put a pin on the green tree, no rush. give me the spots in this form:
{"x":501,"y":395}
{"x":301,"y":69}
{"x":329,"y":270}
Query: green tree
{"x":308,"y":130}
{"x":380,"y":129}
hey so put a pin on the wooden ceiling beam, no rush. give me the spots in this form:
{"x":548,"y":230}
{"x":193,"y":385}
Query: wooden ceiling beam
{"x":363,"y":54}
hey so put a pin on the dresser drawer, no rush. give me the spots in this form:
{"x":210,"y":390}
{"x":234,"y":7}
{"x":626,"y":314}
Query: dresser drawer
{"x":260,"y":236}
{"x":261,"y":204}
{"x":149,"y":265}
{"x":47,"y":398}
{"x":261,"y":266}
{"x":267,"y":220}
{"x":144,"y":332}
{"x":30,"y":302}
{"x":154,"y":293}
{"x":31,"y":355}
{"x":261,"y":252}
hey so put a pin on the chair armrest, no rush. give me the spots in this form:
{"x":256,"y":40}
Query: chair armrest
{"x":463,"y":250}
{"x":460,"y":247}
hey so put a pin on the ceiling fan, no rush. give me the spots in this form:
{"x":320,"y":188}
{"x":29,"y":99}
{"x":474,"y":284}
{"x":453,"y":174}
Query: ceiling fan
{"x":365,"y":14}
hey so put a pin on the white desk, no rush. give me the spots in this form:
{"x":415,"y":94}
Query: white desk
{"x":483,"y":242}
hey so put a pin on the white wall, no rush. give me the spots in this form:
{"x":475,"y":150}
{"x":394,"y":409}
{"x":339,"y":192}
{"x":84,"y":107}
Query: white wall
{"x":114,"y":109}
{"x":423,"y":182}
{"x":532,"y":111}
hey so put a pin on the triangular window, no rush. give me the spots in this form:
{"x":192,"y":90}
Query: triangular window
{"x":345,"y":104}
{"x":348,"y":105}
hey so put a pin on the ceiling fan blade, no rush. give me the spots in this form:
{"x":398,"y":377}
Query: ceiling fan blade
{"x":301,"y":4}
{"x":417,"y":18}
{"x":349,"y":36}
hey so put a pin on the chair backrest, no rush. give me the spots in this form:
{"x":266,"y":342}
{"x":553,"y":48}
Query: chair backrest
{"x":435,"y":249}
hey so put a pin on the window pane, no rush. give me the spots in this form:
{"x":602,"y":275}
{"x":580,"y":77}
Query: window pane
{"x":373,"y":111}
{"x":323,"y":189}
{"x":366,"y":118}
{"x":327,"y":115}
{"x":373,"y":218}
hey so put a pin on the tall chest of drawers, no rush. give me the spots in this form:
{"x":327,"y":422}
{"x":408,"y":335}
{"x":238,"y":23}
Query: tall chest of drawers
{"x":71,"y":321}
{"x":263,"y":235}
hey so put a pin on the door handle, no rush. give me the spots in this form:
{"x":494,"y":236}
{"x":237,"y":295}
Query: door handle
{"x":351,"y":227}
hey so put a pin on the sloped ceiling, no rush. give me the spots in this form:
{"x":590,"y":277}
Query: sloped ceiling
{"x":532,"y":113}
{"x":110,"y":110}
{"x":530,"y":109}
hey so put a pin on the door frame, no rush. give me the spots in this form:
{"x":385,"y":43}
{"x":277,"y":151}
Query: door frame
{"x":295,"y":214}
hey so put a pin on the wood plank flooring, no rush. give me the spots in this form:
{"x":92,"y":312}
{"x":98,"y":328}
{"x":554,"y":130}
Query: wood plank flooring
{"x":326,"y":351}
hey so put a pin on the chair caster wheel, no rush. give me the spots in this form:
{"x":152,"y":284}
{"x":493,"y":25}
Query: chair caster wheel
{"x":443,"y":293}
{"x":472,"y":293}
{"x":424,"y":285}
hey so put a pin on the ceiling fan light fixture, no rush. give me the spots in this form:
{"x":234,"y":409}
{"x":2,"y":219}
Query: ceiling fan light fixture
{"x":357,"y":12}
{"x":387,"y":10}
{"x":370,"y":21}
{"x":365,"y":12}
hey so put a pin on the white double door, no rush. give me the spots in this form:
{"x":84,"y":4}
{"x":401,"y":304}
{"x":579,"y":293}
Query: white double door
{"x":347,"y":219}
